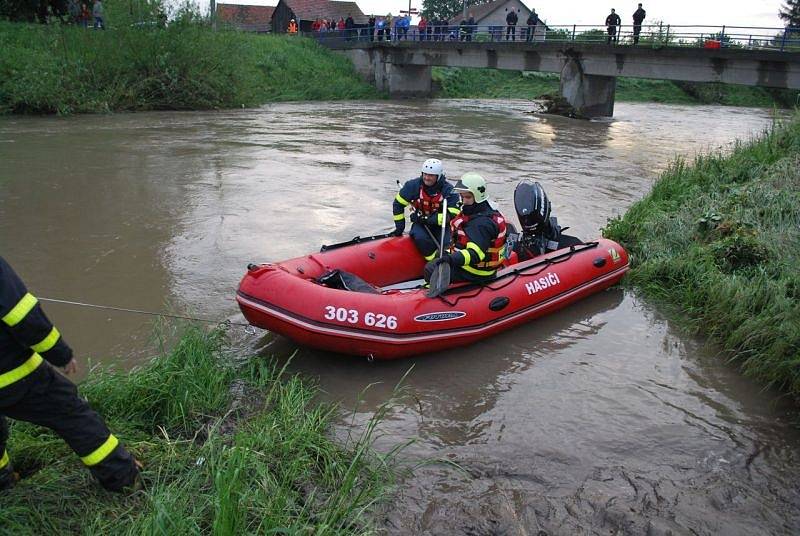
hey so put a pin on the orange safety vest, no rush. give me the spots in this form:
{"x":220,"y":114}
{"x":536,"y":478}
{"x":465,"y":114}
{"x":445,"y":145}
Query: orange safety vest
{"x":427,"y":204}
{"x":494,"y":257}
{"x":292,"y":27}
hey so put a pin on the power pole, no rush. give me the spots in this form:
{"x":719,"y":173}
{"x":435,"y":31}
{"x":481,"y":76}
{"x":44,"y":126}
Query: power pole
{"x":213,"y":15}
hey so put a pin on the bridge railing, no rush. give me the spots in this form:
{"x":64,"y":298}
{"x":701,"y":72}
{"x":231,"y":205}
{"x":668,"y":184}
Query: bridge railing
{"x":647,"y":35}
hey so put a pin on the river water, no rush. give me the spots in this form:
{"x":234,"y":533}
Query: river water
{"x":603,"y":418}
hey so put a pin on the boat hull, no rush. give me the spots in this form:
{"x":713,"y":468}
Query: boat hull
{"x":285,"y":298}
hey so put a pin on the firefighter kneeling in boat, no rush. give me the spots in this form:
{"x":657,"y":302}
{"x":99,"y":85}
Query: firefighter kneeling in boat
{"x":425,"y":194}
{"x":478,"y":233}
{"x":30,"y":390}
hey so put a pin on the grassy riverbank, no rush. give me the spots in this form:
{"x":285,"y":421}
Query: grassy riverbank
{"x":719,"y":242}
{"x":66,"y":69}
{"x":229,"y":447}
{"x":493,"y":84}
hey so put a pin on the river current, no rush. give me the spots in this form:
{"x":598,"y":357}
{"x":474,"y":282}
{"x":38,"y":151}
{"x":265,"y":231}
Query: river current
{"x":603,"y":418}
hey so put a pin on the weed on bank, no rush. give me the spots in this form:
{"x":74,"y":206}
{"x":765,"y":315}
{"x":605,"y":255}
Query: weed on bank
{"x":719,"y":241}
{"x":229,"y":447}
{"x":58,"y":69}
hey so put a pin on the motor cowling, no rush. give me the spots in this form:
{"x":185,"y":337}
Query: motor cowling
{"x":532,"y":206}
{"x":540,"y":230}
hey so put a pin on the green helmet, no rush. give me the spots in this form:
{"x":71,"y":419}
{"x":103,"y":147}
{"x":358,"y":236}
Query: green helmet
{"x":474,"y":183}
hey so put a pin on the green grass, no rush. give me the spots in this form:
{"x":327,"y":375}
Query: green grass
{"x":495,"y":84}
{"x":718,"y":242}
{"x":229,"y":447}
{"x":66,"y":69}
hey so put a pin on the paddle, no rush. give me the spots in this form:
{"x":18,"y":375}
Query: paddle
{"x":440,"y":278}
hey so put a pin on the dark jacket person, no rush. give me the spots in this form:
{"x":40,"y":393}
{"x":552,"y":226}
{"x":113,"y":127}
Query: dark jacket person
{"x":638,"y":17}
{"x":612,"y":24}
{"x":30,"y":390}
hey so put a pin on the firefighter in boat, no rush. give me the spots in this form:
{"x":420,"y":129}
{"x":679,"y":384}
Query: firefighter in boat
{"x":478,"y":234}
{"x":31,"y":390}
{"x":425,"y":195}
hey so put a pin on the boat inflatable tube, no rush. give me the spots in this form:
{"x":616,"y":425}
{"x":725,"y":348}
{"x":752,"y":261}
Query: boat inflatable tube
{"x":362,"y":298}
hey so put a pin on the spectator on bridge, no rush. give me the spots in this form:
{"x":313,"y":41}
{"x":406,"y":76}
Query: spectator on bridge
{"x":530,"y":31}
{"x":349,"y":24}
{"x":470,"y":26}
{"x":406,"y":25}
{"x":462,"y":30}
{"x":84,"y":16}
{"x":612,"y":24}
{"x":99,"y":15}
{"x":511,"y":21}
{"x":380,"y":28}
{"x":638,"y":18}
{"x":422,"y":27}
{"x":340,"y":26}
{"x":387,"y":27}
{"x":371,"y":27}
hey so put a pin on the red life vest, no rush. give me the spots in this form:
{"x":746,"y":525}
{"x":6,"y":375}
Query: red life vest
{"x":494,"y":257}
{"x":426,"y":203}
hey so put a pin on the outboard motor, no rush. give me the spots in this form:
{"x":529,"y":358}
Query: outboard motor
{"x":540,"y":231}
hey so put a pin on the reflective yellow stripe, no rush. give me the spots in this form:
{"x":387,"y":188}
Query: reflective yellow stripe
{"x":102,"y":451}
{"x":20,"y":310}
{"x":467,"y":257}
{"x":399,"y":199}
{"x":475,"y":271}
{"x":399,"y":217}
{"x":4,"y":460}
{"x":48,"y":342}
{"x":476,"y":248}
{"x":453,"y":210}
{"x":488,"y":264}
{"x":439,"y":219}
{"x":21,"y":371}
{"x":431,"y":256}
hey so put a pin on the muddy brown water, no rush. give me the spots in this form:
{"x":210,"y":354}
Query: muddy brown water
{"x":604,"y":418}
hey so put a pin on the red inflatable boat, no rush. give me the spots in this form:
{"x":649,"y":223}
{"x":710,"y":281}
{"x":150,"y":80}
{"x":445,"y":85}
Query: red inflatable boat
{"x":383,"y":311}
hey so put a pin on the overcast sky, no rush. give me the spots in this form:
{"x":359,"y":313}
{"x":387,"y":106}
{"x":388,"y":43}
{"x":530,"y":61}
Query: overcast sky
{"x":564,"y":12}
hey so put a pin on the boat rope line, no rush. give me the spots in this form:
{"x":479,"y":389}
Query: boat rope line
{"x":150,"y":313}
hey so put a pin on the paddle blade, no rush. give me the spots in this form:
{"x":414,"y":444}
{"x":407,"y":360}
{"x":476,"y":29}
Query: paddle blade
{"x":440,"y":280}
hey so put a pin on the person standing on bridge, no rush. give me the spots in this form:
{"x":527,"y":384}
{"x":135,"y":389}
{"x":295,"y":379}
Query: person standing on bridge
{"x":425,"y":194}
{"x":470,"y":26}
{"x":31,"y":390}
{"x":638,"y":18}
{"x":511,"y":28}
{"x":612,"y":24}
{"x":530,"y":31}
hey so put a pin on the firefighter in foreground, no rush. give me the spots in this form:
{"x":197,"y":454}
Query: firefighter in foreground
{"x":425,"y":195}
{"x":31,"y":390}
{"x":479,"y":235}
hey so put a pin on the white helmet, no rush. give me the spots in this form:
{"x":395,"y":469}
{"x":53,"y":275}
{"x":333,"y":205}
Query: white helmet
{"x":433,"y":166}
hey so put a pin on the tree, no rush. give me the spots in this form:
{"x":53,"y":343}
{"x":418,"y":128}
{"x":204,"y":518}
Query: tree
{"x":447,"y":9}
{"x":791,"y":13}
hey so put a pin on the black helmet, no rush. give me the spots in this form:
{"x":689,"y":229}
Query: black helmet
{"x":532,"y":206}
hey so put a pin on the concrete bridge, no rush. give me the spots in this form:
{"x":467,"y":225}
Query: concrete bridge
{"x":588,"y":71}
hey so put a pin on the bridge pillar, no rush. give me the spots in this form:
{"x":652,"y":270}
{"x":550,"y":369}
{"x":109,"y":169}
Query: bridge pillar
{"x":408,"y":80}
{"x":590,"y":95}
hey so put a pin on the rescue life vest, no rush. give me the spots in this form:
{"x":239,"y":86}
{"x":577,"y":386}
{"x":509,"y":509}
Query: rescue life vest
{"x":292,"y":27}
{"x":426,"y":203}
{"x":496,"y":254}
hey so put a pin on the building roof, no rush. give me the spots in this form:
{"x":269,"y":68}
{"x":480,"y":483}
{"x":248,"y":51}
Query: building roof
{"x":482,"y":11}
{"x":326,"y":9}
{"x":243,"y":16}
